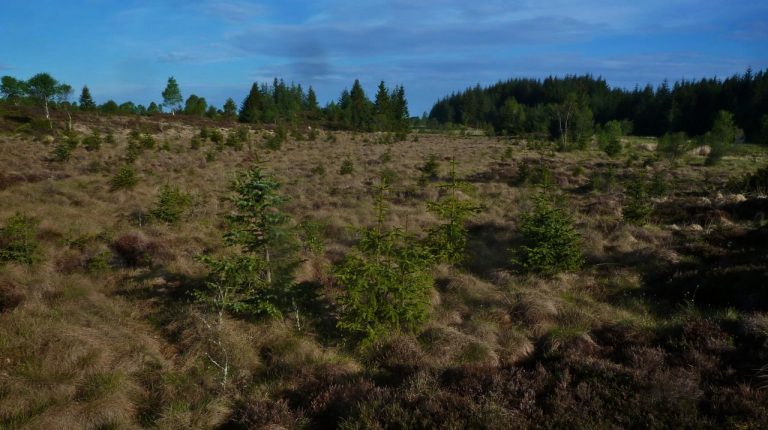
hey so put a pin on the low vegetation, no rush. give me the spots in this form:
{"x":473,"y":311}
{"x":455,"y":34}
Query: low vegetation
{"x":192,"y":273}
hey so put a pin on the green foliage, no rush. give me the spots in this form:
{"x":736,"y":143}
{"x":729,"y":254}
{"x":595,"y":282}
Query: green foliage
{"x":658,"y":186}
{"x":62,"y":151}
{"x":18,"y":240}
{"x":637,"y":208}
{"x":276,"y":140}
{"x":172,"y":95}
{"x":347,"y":168}
{"x":385,"y":282}
{"x":92,"y":142}
{"x":216,"y":136}
{"x":311,"y":234}
{"x":171,"y":205}
{"x":124,"y":178}
{"x":195,"y":143}
{"x":721,"y":138}
{"x":603,"y":180}
{"x":86,"y":101}
{"x":539,"y":175}
{"x":673,"y":145}
{"x":430,"y":170}
{"x":259,"y":227}
{"x":238,"y":284}
{"x":448,"y":241}
{"x":550,"y":241}
{"x":609,"y":139}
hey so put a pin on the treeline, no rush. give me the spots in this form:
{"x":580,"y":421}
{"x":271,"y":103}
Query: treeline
{"x":530,"y":105}
{"x":274,"y":103}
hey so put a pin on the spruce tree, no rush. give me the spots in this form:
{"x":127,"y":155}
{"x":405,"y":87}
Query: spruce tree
{"x":381,"y":109}
{"x":86,"y":101}
{"x":252,"y":109}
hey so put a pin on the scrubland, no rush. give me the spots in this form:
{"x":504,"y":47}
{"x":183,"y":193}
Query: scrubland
{"x":664,"y":326}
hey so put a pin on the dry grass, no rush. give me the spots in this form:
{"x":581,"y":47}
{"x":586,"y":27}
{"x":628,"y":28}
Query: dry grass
{"x":103,"y":334}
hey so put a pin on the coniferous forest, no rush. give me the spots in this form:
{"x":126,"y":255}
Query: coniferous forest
{"x":690,"y":106}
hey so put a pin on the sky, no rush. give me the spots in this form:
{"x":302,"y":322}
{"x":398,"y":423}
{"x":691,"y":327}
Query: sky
{"x":126,"y":50}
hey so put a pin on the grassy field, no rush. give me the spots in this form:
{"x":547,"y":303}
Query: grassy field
{"x":665,"y":326}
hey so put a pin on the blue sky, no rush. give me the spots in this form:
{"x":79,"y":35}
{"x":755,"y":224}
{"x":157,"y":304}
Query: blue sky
{"x":126,"y":50}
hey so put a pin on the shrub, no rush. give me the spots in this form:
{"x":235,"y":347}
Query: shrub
{"x":673,"y":145}
{"x":61,"y":152}
{"x":609,"y":139}
{"x":92,"y":142}
{"x":216,"y":136}
{"x":275,"y":141}
{"x":347,"y":168}
{"x":18,"y":240}
{"x":448,"y":241}
{"x":550,"y":242}
{"x":134,"y":249}
{"x":429,"y":170}
{"x":385,"y":282}
{"x":171,"y":205}
{"x":638,"y":207}
{"x":720,"y":139}
{"x":195,"y":143}
{"x":311,"y":234}
{"x":110,"y":139}
{"x":124,"y":178}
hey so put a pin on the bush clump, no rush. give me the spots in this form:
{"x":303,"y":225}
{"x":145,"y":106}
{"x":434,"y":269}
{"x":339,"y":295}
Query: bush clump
{"x":550,"y":241}
{"x":124,"y":178}
{"x":347,"y":168}
{"x":18,"y":240}
{"x":171,"y":205}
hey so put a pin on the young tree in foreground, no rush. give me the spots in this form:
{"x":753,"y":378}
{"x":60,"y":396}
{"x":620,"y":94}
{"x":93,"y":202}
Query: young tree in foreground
{"x":448,"y":241}
{"x":550,"y":242}
{"x":386,"y":282}
{"x":172,"y":95}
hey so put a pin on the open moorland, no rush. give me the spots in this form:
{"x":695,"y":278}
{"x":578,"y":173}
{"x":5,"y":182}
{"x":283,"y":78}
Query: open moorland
{"x":114,"y":310}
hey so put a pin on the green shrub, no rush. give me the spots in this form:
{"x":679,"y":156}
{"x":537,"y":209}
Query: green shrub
{"x":171,"y":205}
{"x":447,"y":242}
{"x":721,"y":138}
{"x":61,"y":152}
{"x":311,"y":234}
{"x":609,"y":139}
{"x":659,"y":186}
{"x":195,"y":143}
{"x":385,"y":283}
{"x":637,"y":207}
{"x":93,"y":142}
{"x":18,"y":240}
{"x":234,"y":142}
{"x":550,"y":241}
{"x":203,"y":133}
{"x":673,"y":145}
{"x":603,"y":181}
{"x":539,"y":175}
{"x":147,"y":141}
{"x":276,"y":140}
{"x":124,"y":178}
{"x":430,"y":170}
{"x":110,"y":139}
{"x":347,"y":168}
